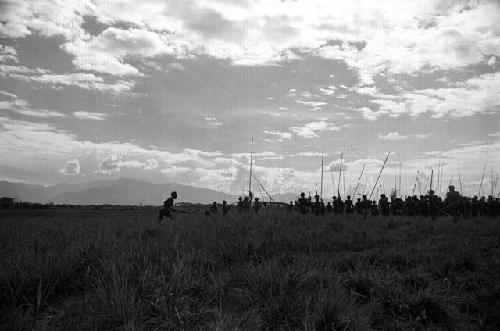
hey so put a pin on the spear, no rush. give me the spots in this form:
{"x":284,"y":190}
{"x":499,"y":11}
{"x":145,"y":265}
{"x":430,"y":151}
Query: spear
{"x":432,"y":176}
{"x":262,"y":186}
{"x":495,"y":186}
{"x":419,"y":188}
{"x":340,"y":174}
{"x":380,"y":173}
{"x":395,"y":180}
{"x":460,"y":179}
{"x":482,"y":177}
{"x":359,"y":179}
{"x":364,"y":187}
{"x":321,"y":190}
{"x":333,"y":182}
{"x":400,"y":193}
{"x":415,"y":185}
{"x":343,"y":175}
{"x":251,"y":164}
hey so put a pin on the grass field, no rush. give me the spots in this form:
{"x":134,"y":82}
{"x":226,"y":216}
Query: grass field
{"x":84,"y":269}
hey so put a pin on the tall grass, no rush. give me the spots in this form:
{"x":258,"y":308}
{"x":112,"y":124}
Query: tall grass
{"x":119,"y":270}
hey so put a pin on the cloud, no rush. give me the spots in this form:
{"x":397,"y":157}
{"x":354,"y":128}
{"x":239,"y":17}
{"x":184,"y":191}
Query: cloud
{"x":10,"y":70}
{"x":423,"y":135}
{"x":394,"y":136}
{"x":176,"y":66}
{"x":151,"y":164}
{"x":279,"y":136}
{"x":336,"y":165}
{"x":369,"y":114}
{"x":84,"y":115}
{"x":312,"y":129}
{"x":108,"y":51}
{"x":83,"y":80}
{"x":492,"y":61}
{"x":109,"y":164}
{"x":8,"y":54}
{"x":22,"y":107}
{"x":212,"y":121}
{"x":327,"y":91}
{"x":71,"y":168}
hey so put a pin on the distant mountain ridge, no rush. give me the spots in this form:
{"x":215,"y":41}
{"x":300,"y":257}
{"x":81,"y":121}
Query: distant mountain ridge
{"x":123,"y":191}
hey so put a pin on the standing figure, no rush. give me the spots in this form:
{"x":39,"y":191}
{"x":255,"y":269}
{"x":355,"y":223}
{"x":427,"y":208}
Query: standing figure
{"x":256,"y":205}
{"x":303,"y":203}
{"x":453,"y":203}
{"x":213,"y":208}
{"x":225,"y":208}
{"x":167,"y":207}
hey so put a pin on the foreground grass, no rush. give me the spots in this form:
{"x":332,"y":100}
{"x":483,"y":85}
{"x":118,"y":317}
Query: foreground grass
{"x":120,"y":270}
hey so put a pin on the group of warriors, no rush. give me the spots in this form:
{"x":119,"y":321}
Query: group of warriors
{"x":429,"y":205}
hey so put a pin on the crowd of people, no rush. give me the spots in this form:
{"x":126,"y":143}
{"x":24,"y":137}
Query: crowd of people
{"x":428,"y":205}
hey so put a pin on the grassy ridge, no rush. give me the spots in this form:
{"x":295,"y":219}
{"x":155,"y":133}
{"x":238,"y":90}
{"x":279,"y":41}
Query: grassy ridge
{"x":105,"y":270}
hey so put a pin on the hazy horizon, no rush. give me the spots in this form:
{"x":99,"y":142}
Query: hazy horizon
{"x":168,"y":92}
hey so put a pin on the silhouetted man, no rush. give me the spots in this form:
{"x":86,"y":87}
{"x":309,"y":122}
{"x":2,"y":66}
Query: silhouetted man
{"x":225,"y":208}
{"x":167,"y":207}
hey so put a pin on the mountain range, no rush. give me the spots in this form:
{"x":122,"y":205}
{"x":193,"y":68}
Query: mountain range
{"x":123,"y":191}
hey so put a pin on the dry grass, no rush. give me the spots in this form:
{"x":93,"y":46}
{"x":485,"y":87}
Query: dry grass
{"x":80,"y":269}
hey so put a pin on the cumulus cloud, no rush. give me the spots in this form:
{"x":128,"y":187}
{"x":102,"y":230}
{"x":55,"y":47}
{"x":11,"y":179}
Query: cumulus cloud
{"x":212,"y":121}
{"x":370,"y":114}
{"x":108,"y":51}
{"x":84,"y":115}
{"x":336,"y":165}
{"x":22,"y":107}
{"x":394,"y":136}
{"x":11,"y":70}
{"x":109,"y":164}
{"x":177,"y":66}
{"x":71,"y":168}
{"x":312,"y":129}
{"x":277,"y":135}
{"x":8,"y":54}
{"x":151,"y":164}
{"x":477,"y":95}
{"x":83,"y":80}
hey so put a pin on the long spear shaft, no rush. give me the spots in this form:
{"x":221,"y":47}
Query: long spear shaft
{"x":395,"y":180}
{"x":333,"y":182}
{"x":321,"y":190}
{"x":482,"y":177}
{"x":460,"y":180}
{"x":400,"y":193}
{"x":415,"y":185}
{"x":432,"y":176}
{"x":251,"y":165}
{"x":262,"y":186}
{"x":343,"y":175}
{"x":340,"y":174}
{"x":359,"y":179}
{"x":380,"y":173}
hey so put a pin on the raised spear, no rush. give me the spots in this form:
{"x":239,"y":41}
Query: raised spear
{"x":482,"y":177}
{"x":460,"y":180}
{"x":359,"y":179}
{"x":321,"y":189}
{"x":380,"y":173}
{"x":432,"y":176}
{"x":251,"y":165}
{"x":340,"y":174}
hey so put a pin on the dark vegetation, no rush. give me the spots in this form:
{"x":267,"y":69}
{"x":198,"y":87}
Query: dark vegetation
{"x":85,"y":269}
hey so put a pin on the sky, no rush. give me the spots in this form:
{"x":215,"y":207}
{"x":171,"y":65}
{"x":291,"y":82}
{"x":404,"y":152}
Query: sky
{"x":174,"y":91}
